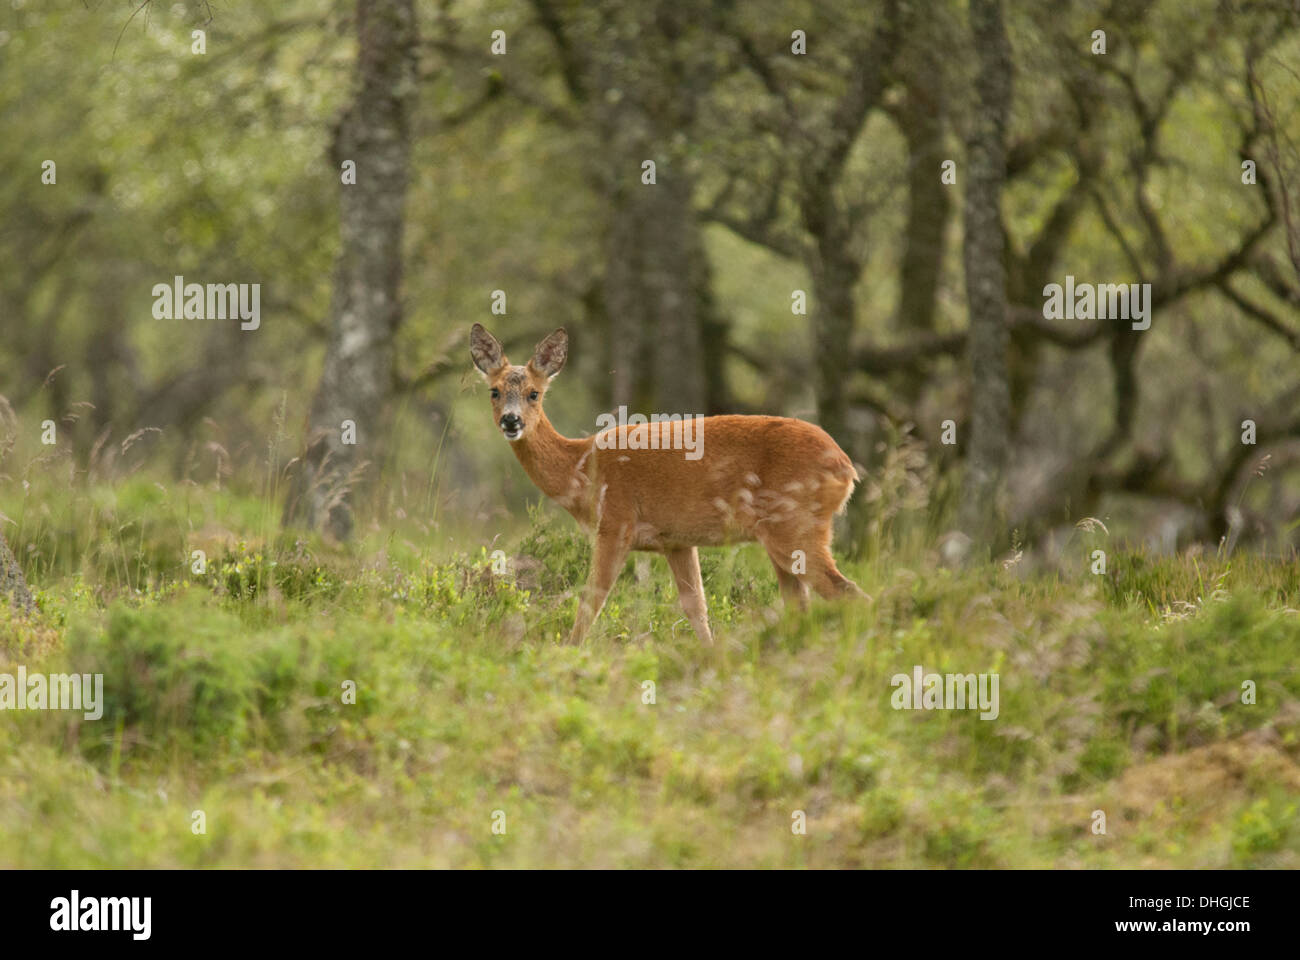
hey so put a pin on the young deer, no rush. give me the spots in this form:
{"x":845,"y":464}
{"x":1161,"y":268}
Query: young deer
{"x":771,"y":479}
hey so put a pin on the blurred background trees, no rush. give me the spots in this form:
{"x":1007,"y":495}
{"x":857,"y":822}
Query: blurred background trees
{"x":372,"y":144}
{"x":799,"y":148}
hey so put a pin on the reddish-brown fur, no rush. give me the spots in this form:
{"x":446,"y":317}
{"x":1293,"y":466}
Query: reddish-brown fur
{"x":772,"y":479}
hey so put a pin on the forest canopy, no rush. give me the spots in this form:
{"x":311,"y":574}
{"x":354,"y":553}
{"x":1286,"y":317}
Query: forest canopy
{"x":805,"y":246}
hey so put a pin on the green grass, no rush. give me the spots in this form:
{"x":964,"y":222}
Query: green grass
{"x":225,"y":694}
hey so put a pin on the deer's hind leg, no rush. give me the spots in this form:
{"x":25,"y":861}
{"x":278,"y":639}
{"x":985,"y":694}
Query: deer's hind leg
{"x":794,"y":592}
{"x":787,"y":545}
{"x":801,"y":554}
{"x":823,"y":575}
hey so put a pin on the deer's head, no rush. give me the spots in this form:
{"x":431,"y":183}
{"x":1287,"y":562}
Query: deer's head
{"x":517,"y":392}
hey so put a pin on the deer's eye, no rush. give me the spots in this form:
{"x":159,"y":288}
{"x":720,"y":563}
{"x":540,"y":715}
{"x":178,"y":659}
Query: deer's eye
{"x":496,"y":394}
{"x":533,"y":395}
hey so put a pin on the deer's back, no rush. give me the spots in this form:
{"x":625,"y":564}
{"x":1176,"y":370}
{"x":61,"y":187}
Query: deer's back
{"x":743,"y":472}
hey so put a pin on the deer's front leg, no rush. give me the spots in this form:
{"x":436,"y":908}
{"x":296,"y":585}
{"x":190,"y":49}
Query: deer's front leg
{"x":612,"y":546}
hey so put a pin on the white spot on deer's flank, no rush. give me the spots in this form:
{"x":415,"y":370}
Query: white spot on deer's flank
{"x":752,"y":479}
{"x":624,"y":459}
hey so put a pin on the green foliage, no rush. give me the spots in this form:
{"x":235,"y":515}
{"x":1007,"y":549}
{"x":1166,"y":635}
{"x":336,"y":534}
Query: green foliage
{"x":1264,"y":827}
{"x":562,"y":554}
{"x":226,"y":693}
{"x":186,"y":677}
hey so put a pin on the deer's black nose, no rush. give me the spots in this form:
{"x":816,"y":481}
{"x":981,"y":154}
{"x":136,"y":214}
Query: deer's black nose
{"x":511,"y":422}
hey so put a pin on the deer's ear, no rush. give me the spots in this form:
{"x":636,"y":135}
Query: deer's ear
{"x":485,"y":350}
{"x":548,"y":358}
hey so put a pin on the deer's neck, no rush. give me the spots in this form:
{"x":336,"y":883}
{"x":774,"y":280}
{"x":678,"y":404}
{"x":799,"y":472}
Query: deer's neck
{"x":554,"y":462}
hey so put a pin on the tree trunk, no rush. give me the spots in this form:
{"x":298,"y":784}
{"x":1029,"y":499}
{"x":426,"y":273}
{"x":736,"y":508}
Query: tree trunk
{"x":666,"y":340}
{"x":653,"y":270}
{"x":715,"y":334}
{"x":365,"y":309}
{"x":928,"y":207}
{"x":983,"y":496}
{"x":833,"y":311}
{"x":659,"y":344}
{"x":13,"y":585}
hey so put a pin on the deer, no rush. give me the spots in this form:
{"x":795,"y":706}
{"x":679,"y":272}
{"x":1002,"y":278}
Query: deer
{"x":775,"y":480}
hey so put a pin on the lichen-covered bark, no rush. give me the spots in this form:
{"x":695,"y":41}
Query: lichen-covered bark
{"x":658,"y":345}
{"x":983,"y":496}
{"x":366,"y":309}
{"x":928,"y":208}
{"x":836,"y":232}
{"x":666,"y":339}
{"x":835,"y":273}
{"x":13,"y":586}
